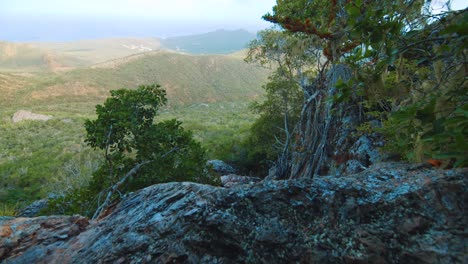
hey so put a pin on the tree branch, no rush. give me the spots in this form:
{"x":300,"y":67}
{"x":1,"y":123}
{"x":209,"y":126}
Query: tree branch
{"x":115,"y":187}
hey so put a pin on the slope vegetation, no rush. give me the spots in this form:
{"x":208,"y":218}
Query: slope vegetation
{"x":209,"y":93}
{"x":187,"y":79}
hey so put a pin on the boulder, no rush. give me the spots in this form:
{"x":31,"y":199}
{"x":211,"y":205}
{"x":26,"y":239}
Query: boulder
{"x":28,"y":115}
{"x":33,"y":209}
{"x":389,"y":213}
{"x":231,"y":180}
{"x":221,"y":167}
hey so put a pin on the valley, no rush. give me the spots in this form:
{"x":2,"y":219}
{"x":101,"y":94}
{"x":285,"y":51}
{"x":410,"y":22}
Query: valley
{"x":337,"y":134}
{"x":209,"y":93}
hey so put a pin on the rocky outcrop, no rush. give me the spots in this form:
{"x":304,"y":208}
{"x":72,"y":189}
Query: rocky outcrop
{"x":390,"y":213}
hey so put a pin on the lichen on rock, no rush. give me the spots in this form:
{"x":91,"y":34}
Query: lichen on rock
{"x":389,"y":213}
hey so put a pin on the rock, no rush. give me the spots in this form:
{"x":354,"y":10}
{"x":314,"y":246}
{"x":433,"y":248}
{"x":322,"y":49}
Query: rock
{"x":361,"y":154}
{"x":388,"y":213}
{"x":272,"y":173}
{"x":33,"y":209}
{"x":28,"y":240}
{"x":67,"y":120}
{"x":233,"y":180}
{"x":28,"y":115}
{"x":221,"y":167}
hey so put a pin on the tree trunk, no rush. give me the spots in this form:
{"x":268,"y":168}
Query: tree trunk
{"x":322,"y":141}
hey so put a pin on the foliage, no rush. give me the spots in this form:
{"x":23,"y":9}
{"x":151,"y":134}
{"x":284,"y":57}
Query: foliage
{"x":219,"y":127}
{"x":342,"y":25}
{"x":8,"y":209}
{"x":138,"y":152}
{"x":279,"y":113}
{"x":293,"y":56}
{"x":409,"y":66}
{"x":209,"y":97}
{"x":219,"y":88}
{"x":279,"y":49}
{"x":429,"y":107}
{"x":430,"y":136}
{"x":27,"y":171}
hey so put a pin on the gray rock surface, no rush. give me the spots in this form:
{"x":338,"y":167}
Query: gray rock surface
{"x":390,"y":213}
{"x":221,"y":167}
{"x":231,"y":180}
{"x":33,"y":209}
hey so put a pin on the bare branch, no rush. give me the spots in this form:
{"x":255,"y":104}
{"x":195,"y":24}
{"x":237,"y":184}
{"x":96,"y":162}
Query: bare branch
{"x":115,"y":187}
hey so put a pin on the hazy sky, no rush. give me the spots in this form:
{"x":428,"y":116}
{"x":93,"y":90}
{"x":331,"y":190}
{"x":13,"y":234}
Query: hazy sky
{"x":185,"y":9}
{"x":27,"y":20}
{"x":249,"y":10}
{"x":49,"y":19}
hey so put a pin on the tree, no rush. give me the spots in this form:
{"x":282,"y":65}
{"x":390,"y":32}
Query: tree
{"x":294,"y":57}
{"x":363,"y":40}
{"x":271,"y":134}
{"x":353,"y":33}
{"x":138,"y":151}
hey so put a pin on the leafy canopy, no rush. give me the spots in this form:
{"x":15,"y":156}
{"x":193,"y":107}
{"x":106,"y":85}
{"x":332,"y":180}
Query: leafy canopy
{"x":345,"y":24}
{"x":124,"y":115}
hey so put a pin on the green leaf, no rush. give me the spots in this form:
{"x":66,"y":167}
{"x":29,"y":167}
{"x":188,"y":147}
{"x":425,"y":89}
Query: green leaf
{"x":353,"y":11}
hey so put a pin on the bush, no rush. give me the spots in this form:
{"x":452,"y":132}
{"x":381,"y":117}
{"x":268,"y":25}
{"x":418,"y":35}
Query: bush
{"x":433,"y":121}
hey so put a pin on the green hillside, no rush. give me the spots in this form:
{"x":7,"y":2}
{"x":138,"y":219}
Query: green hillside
{"x":188,"y":79}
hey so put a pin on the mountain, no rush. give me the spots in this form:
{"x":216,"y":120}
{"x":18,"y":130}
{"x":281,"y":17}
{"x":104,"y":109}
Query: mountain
{"x":216,"y":42}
